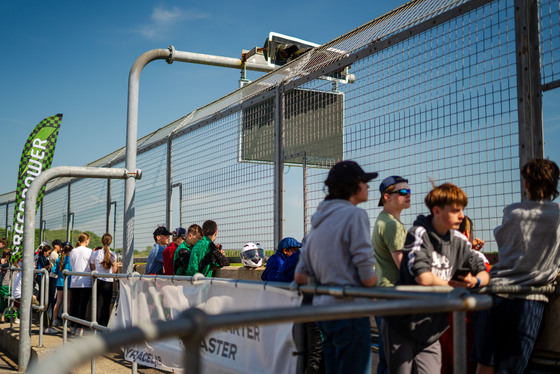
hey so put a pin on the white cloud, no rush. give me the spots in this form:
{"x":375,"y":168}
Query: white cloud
{"x":164,"y":20}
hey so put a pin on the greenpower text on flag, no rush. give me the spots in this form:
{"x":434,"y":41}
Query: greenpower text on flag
{"x":36,"y":157}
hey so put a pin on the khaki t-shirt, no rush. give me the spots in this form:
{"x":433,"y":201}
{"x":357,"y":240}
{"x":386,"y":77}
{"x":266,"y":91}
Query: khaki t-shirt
{"x":389,"y":235}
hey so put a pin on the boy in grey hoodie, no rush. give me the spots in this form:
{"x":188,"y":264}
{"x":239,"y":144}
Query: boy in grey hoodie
{"x":338,"y":252}
{"x":529,"y":255}
{"x":434,"y":250}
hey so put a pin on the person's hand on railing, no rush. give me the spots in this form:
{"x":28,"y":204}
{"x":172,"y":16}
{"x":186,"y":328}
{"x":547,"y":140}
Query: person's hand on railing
{"x":466,"y":281}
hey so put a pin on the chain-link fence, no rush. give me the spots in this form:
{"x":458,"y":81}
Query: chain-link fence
{"x":435,"y":90}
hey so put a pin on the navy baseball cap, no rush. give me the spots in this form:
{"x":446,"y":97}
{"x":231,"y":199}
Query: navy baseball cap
{"x":179,"y":231}
{"x":345,"y":171}
{"x":288,"y":242}
{"x":388,"y":182}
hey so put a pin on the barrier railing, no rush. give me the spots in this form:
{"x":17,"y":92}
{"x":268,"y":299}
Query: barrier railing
{"x":43,"y":296}
{"x":194,"y":324}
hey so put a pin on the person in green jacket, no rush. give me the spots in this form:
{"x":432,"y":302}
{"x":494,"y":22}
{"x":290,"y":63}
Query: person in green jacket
{"x":183,"y":253}
{"x":205,"y":255}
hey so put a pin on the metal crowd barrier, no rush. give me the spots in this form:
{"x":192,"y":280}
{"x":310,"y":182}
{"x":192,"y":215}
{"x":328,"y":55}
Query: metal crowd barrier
{"x":194,"y":324}
{"x":43,"y":296}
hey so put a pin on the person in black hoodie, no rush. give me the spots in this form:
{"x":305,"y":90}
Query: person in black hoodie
{"x":434,"y":251}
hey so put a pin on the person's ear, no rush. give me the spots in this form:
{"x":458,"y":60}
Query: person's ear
{"x":436,"y":211}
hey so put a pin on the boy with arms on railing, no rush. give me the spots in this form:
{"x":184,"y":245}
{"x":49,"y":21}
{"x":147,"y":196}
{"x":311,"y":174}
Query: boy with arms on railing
{"x":338,"y":252}
{"x":529,"y":255}
{"x":154,"y":265}
{"x":205,"y":255}
{"x":434,"y":251}
{"x":183,"y":253}
{"x":179,"y":235}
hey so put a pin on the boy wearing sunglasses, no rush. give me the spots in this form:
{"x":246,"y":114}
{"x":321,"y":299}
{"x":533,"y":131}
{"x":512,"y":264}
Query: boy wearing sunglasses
{"x":389,"y":232}
{"x":388,"y":238}
{"x":435,"y":254}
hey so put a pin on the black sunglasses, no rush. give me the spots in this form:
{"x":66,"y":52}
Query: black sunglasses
{"x":403,"y":192}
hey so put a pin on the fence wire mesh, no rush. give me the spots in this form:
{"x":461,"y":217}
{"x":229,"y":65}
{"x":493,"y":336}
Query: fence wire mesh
{"x":432,"y":95}
{"x":550,"y":42}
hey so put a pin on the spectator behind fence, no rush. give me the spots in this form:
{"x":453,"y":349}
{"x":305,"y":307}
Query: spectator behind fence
{"x":338,"y":252}
{"x":104,"y":261}
{"x":43,"y":263}
{"x":56,"y":247}
{"x":529,"y":255}
{"x":61,"y":264}
{"x":388,"y":241}
{"x":179,"y":236}
{"x":183,"y":252}
{"x":286,"y":248}
{"x":435,"y":254}
{"x":5,"y":276}
{"x":154,"y":265}
{"x":80,"y":287}
{"x":205,"y":255}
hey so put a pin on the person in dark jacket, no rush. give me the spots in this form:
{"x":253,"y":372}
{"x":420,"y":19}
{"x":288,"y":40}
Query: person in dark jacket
{"x":286,"y":248}
{"x":433,"y":252}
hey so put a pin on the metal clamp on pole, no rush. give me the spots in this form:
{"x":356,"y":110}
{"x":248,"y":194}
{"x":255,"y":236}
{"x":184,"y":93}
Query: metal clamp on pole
{"x":137,"y":174}
{"x":171,"y":57}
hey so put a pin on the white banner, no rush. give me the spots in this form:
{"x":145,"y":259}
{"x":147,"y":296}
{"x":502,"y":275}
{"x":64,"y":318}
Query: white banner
{"x":247,"y":349}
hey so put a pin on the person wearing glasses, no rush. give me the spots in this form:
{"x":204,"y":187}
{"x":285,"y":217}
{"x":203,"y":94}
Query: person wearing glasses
{"x":389,"y":232}
{"x":388,"y":239}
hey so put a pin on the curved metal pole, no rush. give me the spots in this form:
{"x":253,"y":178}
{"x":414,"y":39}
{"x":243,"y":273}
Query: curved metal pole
{"x":170,"y":55}
{"x":131,"y":144}
{"x":29,"y":241}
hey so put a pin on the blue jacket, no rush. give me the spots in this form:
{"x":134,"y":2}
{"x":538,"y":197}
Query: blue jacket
{"x":154,"y":265}
{"x":273,"y":264}
{"x":286,"y":271}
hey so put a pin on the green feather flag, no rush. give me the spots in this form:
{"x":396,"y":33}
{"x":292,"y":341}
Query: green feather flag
{"x":37,"y":157}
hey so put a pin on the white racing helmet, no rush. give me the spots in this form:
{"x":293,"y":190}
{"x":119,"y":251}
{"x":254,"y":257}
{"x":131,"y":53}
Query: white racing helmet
{"x":252,"y":255}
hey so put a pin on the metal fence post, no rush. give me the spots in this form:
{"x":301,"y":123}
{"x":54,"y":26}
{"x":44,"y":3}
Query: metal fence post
{"x":65,"y":309}
{"x":278,"y":164}
{"x":41,"y":222}
{"x":168,"y":181}
{"x":93,"y":310}
{"x":108,"y":207}
{"x":529,"y":90}
{"x":459,"y":342}
{"x":192,"y":358}
{"x":68,"y":211}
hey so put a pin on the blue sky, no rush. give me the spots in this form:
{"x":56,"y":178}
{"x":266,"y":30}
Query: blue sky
{"x":73,"y":57}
